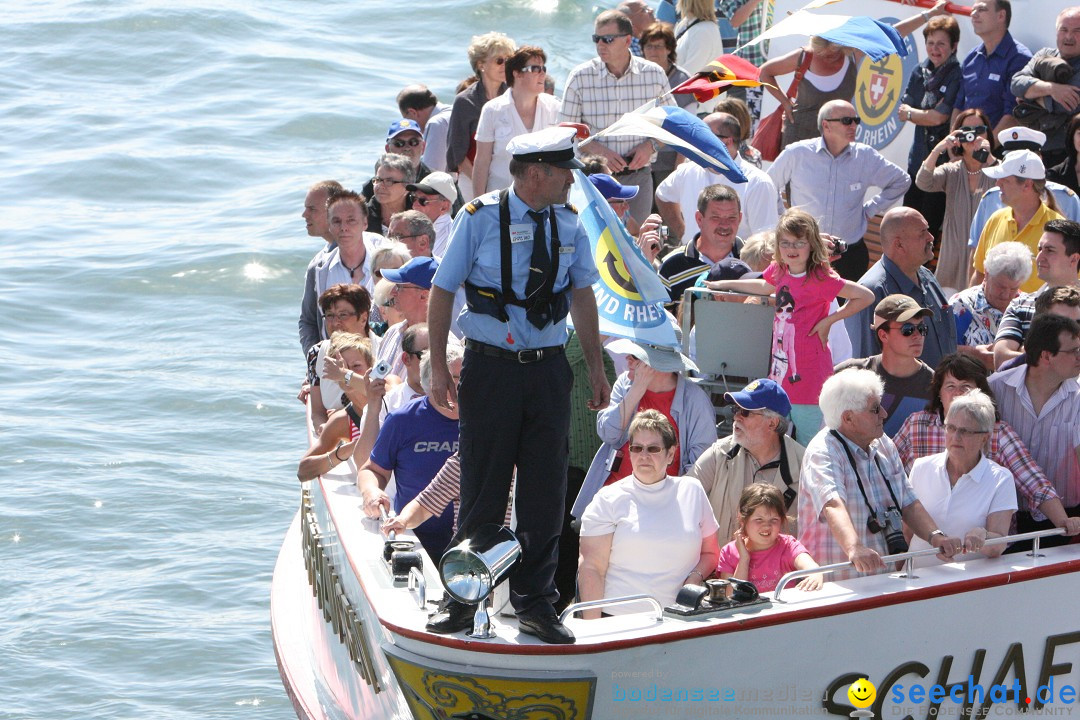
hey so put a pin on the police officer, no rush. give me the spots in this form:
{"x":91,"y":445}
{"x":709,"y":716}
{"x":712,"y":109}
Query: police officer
{"x":526,"y":263}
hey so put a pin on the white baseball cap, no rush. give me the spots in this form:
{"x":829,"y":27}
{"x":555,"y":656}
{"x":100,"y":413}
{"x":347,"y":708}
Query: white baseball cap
{"x":1018,"y":163}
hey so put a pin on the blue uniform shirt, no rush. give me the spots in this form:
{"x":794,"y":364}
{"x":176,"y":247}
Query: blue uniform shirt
{"x":473,"y":255}
{"x":987,"y":80}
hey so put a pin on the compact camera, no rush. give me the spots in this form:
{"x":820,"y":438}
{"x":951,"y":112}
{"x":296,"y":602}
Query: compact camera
{"x":966,"y":136}
{"x":380,"y":370}
{"x":894,"y":536}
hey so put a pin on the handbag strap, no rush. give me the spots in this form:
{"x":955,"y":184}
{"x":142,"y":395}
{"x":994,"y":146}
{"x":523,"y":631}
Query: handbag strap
{"x":805,"y":58}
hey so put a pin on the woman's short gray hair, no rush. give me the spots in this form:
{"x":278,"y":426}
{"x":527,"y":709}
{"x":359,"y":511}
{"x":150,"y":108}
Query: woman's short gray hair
{"x":978,"y":406}
{"x":400,"y":163}
{"x":849,"y":389}
{"x":454,"y":353}
{"x":1011,"y":259}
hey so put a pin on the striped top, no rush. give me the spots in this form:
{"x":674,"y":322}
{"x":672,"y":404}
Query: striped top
{"x":1051,"y":436}
{"x":445,"y":488}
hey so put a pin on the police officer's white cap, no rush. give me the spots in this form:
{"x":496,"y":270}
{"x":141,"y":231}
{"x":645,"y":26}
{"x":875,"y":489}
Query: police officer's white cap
{"x":1021,"y":138}
{"x":552,"y":146}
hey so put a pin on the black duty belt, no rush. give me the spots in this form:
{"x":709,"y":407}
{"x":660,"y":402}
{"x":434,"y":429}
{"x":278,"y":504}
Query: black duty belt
{"x":521,"y":356}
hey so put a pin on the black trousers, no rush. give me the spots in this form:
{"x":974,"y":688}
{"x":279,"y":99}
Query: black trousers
{"x":853,"y":264}
{"x":569,"y":542}
{"x":515,"y":414}
{"x":1025,"y":524}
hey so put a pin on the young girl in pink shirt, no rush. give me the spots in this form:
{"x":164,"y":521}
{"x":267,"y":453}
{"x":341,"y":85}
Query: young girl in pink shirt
{"x":760,"y":552}
{"x":805,"y":285}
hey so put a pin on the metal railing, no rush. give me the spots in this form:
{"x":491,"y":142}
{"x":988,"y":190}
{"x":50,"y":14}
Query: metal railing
{"x":419,"y":583}
{"x":908,"y":557}
{"x":610,"y":602}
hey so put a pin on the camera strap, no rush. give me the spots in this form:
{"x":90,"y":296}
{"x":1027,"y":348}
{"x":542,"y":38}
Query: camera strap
{"x":858,"y":478}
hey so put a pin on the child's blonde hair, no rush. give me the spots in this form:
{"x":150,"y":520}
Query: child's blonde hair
{"x":801,"y":225}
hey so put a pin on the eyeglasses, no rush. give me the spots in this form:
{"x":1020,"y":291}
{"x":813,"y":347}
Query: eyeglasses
{"x":744,"y":413}
{"x":962,"y":432}
{"x":534,"y":69}
{"x":651,"y":449}
{"x":340,"y":316}
{"x":400,"y":238}
{"x":845,"y":120}
{"x":1075,"y":352}
{"x":386,"y":181}
{"x":980,"y":129}
{"x":418,"y":354}
{"x":608,"y":39}
{"x":411,"y":142}
{"x":405,"y":286}
{"x":796,"y":245}
{"x":909,"y":329}
{"x":874,"y":410}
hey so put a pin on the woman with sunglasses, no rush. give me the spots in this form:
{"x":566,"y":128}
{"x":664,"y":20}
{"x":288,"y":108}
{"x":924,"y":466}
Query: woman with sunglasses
{"x":966,"y":493}
{"x":523,"y":108}
{"x":488,"y":54}
{"x":649,"y":533}
{"x":971,"y":147}
{"x":928,"y":103}
{"x":923,"y":434}
{"x":654,"y":380}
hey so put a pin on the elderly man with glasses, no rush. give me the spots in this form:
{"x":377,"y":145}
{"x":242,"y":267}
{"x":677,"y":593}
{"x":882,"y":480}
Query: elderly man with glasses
{"x":900,"y":326}
{"x":854,"y":495}
{"x":758,"y":450}
{"x":435,"y":198}
{"x":829,"y":177}
{"x":601,"y":90}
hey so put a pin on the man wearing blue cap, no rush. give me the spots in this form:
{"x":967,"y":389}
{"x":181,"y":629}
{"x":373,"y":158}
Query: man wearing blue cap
{"x":526,"y":263}
{"x":412,"y":283}
{"x":758,"y":450}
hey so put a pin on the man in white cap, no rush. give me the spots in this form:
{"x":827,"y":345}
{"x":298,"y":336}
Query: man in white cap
{"x":1021,"y":178}
{"x":526,"y":263}
{"x":1021,"y":138}
{"x":434,"y":196}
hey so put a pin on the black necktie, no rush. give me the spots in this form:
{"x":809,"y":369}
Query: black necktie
{"x":539,"y":266}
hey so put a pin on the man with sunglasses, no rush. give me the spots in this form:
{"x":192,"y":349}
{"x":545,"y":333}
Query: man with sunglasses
{"x":758,"y":450}
{"x":1041,"y":401}
{"x":829,"y":176}
{"x":602,"y":90}
{"x":412,"y":283}
{"x":434,"y":197}
{"x":901,"y":328}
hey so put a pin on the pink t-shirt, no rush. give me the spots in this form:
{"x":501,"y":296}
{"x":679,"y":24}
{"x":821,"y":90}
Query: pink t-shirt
{"x":766,"y":566}
{"x":801,"y":302}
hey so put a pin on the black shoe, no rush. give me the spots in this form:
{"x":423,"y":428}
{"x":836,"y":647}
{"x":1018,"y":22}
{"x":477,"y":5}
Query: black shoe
{"x":454,"y":618}
{"x":546,"y":626}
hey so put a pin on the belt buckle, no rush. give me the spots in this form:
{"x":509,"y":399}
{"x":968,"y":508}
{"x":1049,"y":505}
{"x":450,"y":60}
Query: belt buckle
{"x":530,"y":356}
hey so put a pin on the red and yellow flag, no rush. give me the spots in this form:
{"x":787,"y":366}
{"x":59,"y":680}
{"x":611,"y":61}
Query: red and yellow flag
{"x":720,"y":74}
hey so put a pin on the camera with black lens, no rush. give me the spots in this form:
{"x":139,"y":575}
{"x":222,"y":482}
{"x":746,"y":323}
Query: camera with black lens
{"x":894,"y":536}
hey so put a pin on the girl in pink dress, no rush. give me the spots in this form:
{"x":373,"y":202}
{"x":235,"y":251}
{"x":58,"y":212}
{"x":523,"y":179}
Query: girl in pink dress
{"x":760,"y":551}
{"x":805,"y":285}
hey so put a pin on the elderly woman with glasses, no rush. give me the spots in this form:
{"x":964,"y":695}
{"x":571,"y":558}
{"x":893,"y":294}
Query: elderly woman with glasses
{"x":523,"y":108}
{"x":923,"y":434}
{"x":650,"y":532}
{"x":392,"y":174}
{"x":488,"y":54}
{"x":968,"y":494}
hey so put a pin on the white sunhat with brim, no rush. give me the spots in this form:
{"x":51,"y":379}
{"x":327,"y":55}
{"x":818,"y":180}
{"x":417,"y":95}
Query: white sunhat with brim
{"x":664,"y":359}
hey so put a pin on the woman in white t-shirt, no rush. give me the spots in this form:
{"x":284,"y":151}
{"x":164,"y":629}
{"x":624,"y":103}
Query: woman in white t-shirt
{"x":968,"y":494}
{"x":523,"y":108}
{"x":650,"y":532}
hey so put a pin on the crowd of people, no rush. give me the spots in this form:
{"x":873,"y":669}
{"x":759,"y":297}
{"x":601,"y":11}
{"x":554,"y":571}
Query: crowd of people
{"x":929,"y":400}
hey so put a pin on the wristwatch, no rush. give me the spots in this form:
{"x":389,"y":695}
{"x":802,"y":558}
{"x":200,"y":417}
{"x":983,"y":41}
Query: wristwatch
{"x":348,"y":377}
{"x":930,"y":537}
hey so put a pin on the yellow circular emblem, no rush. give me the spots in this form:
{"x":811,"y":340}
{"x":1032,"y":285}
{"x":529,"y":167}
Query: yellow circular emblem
{"x":612,"y":269}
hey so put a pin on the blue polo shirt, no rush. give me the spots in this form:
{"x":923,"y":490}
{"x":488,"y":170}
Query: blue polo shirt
{"x":988,"y":78}
{"x":473,"y":254}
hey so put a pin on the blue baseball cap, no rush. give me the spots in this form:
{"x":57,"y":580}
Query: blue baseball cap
{"x":418,"y":271}
{"x":761,"y":394}
{"x":399,"y":126}
{"x":611,"y":188}
{"x":729,"y":268}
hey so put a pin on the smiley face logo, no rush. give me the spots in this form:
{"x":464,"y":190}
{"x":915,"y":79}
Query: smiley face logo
{"x":862,"y":693}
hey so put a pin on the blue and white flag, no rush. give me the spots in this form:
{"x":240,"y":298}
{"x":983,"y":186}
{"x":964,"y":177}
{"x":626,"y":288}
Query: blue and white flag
{"x":629,"y":295}
{"x":873,"y":37}
{"x":683,"y":132}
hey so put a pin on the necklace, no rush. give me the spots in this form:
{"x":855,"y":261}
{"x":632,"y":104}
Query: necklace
{"x":352,"y":270}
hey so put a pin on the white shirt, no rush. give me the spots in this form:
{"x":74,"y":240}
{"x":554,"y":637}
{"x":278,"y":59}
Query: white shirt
{"x":698,"y":46}
{"x":500,"y":123}
{"x":758,"y":198}
{"x":988,"y":488}
{"x":657,"y":533}
{"x":443,"y":223}
{"x":435,"y":131}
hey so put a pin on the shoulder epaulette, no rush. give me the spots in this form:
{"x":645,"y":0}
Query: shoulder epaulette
{"x":474,"y":205}
{"x":571,"y":208}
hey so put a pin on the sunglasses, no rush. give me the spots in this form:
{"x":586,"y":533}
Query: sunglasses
{"x":498,"y":60}
{"x":651,"y":449}
{"x":744,"y":413}
{"x":534,"y":69}
{"x":411,"y":142}
{"x":909,"y":329}
{"x":607,"y":39}
{"x":424,"y":201}
{"x":845,"y":120}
